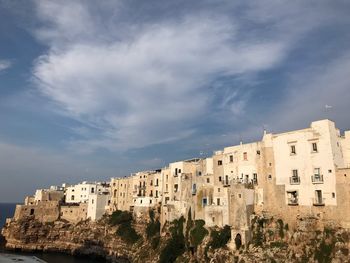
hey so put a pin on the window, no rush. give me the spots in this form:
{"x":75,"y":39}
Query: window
{"x":218,"y":201}
{"x":204,"y":202}
{"x":199,"y":173}
{"x":239,"y":195}
{"x":115,"y":193}
{"x":231,"y":158}
{"x":330,"y":171}
{"x":245,"y":156}
{"x":258,"y":152}
{"x":176,"y":186}
{"x":292,"y":197}
{"x":151,"y":193}
{"x":92,"y":201}
{"x":219,"y":162}
{"x":219,"y":190}
{"x":269,"y":177}
{"x":72,"y":197}
{"x":179,"y":171}
{"x":317,"y":172}
{"x":292,"y":149}
{"x":150,"y":201}
{"x":295,"y":173}
{"x":31,"y":211}
{"x":141,"y":201}
{"x":156,"y":193}
{"x":219,"y":178}
{"x":92,"y":190}
{"x":208,"y":180}
{"x":151,"y":183}
{"x":175,"y":171}
{"x":333,"y":195}
{"x":157,"y":182}
{"x":314,"y":147}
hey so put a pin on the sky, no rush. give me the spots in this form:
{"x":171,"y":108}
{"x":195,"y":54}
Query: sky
{"x":91,"y":90}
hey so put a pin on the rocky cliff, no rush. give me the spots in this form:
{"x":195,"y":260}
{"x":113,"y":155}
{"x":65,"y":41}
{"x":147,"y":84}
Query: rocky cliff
{"x":182,"y":241}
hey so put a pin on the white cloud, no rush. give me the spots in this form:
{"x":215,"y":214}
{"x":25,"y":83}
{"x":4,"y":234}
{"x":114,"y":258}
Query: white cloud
{"x":5,"y":64}
{"x":150,"y":88}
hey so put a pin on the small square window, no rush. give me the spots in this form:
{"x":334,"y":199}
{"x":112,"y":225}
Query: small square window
{"x":269,"y":177}
{"x":258,"y":152}
{"x":330,"y":171}
{"x":239,"y":196}
{"x":219,"y":162}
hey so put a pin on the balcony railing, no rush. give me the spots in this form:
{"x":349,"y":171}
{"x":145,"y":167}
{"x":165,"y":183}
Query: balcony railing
{"x":294,"y":180}
{"x":225,"y":183}
{"x":317,"y":179}
{"x":318,"y":201}
{"x":293,"y":201}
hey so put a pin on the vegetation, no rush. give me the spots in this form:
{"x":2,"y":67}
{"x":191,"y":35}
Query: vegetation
{"x":153,"y":230}
{"x":219,"y":238}
{"x":153,"y":227}
{"x":198,"y":233}
{"x":119,"y":217}
{"x":175,"y":246}
{"x":125,"y":230}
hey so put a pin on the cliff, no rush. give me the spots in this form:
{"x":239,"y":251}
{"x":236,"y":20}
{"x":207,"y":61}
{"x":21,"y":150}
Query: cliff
{"x":124,"y":239}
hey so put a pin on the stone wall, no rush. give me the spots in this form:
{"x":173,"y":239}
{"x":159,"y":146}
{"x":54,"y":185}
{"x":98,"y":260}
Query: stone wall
{"x":43,"y":211}
{"x":74,"y":213}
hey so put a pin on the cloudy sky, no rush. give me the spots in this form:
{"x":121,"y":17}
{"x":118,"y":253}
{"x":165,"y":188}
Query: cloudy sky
{"x":95,"y":89}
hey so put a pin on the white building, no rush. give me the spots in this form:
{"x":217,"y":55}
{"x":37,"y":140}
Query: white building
{"x":98,"y":205}
{"x":80,"y":193}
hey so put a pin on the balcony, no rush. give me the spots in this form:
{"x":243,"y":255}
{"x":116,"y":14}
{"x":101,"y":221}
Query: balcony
{"x":317,"y":179}
{"x":226,"y":183}
{"x":294,"y":180}
{"x":293,"y":201}
{"x":318,"y":201}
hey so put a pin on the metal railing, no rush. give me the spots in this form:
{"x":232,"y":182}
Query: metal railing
{"x":293,"y":201}
{"x":317,"y":179}
{"x":319,"y":201}
{"x":294,"y":180}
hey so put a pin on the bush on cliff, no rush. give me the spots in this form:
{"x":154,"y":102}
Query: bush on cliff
{"x":198,"y":233}
{"x":153,"y":227}
{"x":128,"y":233}
{"x":125,"y":230}
{"x":119,"y":217}
{"x":175,"y":246}
{"x":219,"y":238}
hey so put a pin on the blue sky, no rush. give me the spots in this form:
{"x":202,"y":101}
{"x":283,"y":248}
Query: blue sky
{"x":95,"y":89}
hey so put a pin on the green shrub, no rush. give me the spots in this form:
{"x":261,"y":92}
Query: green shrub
{"x":155,"y":242}
{"x":175,"y":246}
{"x":153,"y":228}
{"x":219,"y":238}
{"x":323,"y":254}
{"x":198,"y":233}
{"x":127,"y":233}
{"x":189,"y":225}
{"x":119,"y":217}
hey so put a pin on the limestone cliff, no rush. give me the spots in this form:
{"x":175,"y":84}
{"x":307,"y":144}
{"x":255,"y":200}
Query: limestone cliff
{"x":272,"y":241}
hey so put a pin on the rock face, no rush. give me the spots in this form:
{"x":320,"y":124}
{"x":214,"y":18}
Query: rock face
{"x":272,"y":241}
{"x":84,"y":238}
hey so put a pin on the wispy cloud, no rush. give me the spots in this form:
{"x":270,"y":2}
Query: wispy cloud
{"x":5,"y":64}
{"x":147,"y":82}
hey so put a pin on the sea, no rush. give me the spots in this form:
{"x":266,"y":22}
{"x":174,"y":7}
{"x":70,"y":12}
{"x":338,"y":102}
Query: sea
{"x":7,"y":211}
